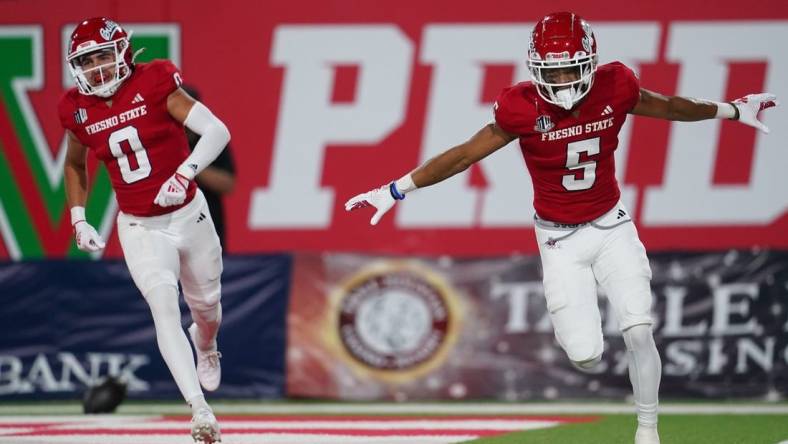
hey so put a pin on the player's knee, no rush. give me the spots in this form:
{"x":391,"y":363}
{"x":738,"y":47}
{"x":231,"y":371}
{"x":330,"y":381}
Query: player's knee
{"x":588,"y":364}
{"x":639,"y":337}
{"x":206,"y":300}
{"x":584,"y":353}
{"x":212,"y":299}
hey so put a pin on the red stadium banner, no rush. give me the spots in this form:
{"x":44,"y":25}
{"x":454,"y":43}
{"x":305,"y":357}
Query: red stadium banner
{"x":327,"y":99}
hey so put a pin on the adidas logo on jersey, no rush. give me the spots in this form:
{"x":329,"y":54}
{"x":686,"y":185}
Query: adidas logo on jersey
{"x":608,"y":110}
{"x":137,"y":99}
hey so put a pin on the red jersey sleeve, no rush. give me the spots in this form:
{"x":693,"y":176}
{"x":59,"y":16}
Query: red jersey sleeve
{"x":508,"y":115}
{"x":168,"y":77}
{"x":631,"y":85}
{"x":67,"y":113}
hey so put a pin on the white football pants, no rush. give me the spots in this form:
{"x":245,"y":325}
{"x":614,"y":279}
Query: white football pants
{"x":607,"y":251}
{"x":160,"y":251}
{"x":574,"y":259}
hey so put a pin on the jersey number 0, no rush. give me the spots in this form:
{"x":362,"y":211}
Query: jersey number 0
{"x":129,"y":134}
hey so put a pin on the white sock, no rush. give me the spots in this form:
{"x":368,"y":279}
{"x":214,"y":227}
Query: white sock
{"x":198,"y":402}
{"x":645,"y":371}
{"x":173,"y":344}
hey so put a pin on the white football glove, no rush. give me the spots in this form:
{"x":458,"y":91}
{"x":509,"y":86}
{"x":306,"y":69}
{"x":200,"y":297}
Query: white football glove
{"x":87,"y":237}
{"x":750,"y":105}
{"x":173,"y":191}
{"x":382,"y":199}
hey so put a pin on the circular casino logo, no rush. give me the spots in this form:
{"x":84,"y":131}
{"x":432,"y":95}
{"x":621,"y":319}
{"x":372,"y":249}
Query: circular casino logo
{"x":398,"y":319}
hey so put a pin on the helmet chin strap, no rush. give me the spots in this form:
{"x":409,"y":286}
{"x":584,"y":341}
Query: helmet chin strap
{"x":565,"y":99}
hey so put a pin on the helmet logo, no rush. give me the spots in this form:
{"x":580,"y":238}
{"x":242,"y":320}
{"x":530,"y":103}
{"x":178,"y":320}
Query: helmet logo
{"x":587,"y":42}
{"x":588,"y":39}
{"x":532,"y":47}
{"x":109,"y":29}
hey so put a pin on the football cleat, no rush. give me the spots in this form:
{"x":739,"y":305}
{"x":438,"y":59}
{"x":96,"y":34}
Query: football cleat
{"x":209,"y":370}
{"x":205,"y":428}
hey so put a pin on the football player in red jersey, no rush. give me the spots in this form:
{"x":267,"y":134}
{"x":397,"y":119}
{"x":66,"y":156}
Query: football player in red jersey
{"x":567,"y":120}
{"x":132,"y":117}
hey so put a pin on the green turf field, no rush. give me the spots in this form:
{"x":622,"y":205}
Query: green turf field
{"x":674,"y":429}
{"x":603,"y":423}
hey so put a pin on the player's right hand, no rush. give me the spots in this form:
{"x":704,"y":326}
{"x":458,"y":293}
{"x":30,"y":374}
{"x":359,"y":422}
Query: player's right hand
{"x":87,"y":237}
{"x":380,"y":198}
{"x":173,"y":191}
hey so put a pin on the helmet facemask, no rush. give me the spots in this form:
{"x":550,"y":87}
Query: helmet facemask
{"x":104,"y":84}
{"x":563,"y":94}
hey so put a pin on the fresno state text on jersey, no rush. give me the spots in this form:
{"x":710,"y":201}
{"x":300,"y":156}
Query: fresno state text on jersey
{"x":135,"y":137}
{"x":569,"y":153}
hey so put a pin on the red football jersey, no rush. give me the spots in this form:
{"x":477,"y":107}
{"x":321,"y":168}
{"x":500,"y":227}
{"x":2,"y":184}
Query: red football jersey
{"x":569,"y":154}
{"x":136,"y":138}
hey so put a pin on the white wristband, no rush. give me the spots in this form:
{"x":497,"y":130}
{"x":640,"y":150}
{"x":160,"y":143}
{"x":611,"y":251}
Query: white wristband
{"x":405,"y":184}
{"x":77,"y":214}
{"x":725,"y":111}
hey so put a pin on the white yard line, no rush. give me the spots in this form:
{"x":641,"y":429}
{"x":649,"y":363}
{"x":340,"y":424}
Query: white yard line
{"x":263,"y":438}
{"x":271,"y":425}
{"x":104,"y":419}
{"x":406,"y":408}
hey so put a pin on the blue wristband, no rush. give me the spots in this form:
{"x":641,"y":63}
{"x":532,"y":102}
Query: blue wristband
{"x":394,"y":192}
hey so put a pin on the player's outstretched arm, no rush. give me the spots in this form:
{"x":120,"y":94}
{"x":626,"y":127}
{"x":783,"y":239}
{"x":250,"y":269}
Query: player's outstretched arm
{"x":214,"y":136}
{"x":76,"y":181}
{"x":685,"y":109}
{"x":450,"y":162}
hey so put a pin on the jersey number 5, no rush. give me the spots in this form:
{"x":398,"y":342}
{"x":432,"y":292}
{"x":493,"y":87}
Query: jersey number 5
{"x":573,"y":150}
{"x":129,"y":134}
